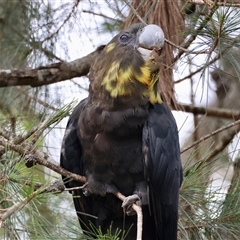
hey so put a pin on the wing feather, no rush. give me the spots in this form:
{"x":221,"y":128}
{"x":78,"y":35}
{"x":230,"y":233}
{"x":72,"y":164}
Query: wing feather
{"x":71,"y":160}
{"x":163,"y":168}
{"x":71,"y":150}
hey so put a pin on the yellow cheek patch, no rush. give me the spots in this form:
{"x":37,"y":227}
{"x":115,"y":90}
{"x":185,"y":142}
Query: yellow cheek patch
{"x":145,"y":76}
{"x":110,"y":47}
{"x":118,"y":81}
{"x":154,"y":98}
{"x":110,"y":80}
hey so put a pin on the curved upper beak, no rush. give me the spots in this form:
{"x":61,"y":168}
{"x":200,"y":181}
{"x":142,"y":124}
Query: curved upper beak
{"x":151,"y":37}
{"x":150,"y":42}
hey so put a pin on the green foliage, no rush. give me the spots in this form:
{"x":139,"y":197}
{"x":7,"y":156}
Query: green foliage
{"x":205,"y":212}
{"x":36,"y":216}
{"x":110,"y":235}
{"x":29,"y":32}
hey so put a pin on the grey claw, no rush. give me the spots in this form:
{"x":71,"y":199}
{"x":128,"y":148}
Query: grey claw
{"x":128,"y":202}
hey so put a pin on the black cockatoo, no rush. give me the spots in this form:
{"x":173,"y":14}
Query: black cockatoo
{"x":122,"y":137}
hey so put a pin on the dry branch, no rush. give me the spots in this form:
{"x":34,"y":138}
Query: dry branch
{"x":52,"y":73}
{"x":232,"y":134}
{"x":223,"y":143}
{"x":15,"y":207}
{"x":210,"y":112}
{"x":220,"y":146}
{"x":30,"y":153}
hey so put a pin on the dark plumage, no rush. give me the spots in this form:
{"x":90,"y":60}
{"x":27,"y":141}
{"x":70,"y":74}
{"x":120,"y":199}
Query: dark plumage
{"x":123,"y":138}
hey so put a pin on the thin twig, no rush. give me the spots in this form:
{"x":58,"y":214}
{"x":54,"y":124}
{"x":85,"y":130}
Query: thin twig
{"x":195,"y":117}
{"x":185,"y":50}
{"x":189,"y":41}
{"x":102,"y":15}
{"x":213,"y":133}
{"x":80,"y":86}
{"x":37,"y":131}
{"x":43,"y":103}
{"x":76,"y":188}
{"x":135,"y":12}
{"x":218,"y":56}
{"x":10,"y":232}
{"x":35,"y":45}
{"x":41,"y":158}
{"x":16,"y":207}
{"x":64,"y":22}
{"x":220,"y":146}
{"x":223,"y":143}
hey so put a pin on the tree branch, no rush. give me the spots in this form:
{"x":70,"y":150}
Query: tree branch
{"x":209,"y":3}
{"x":15,"y":207}
{"x":52,"y":73}
{"x":31,"y":154}
{"x":210,"y":112}
{"x":188,"y":41}
{"x":223,"y":143}
{"x":232,"y":134}
{"x":24,"y":146}
{"x":220,"y":146}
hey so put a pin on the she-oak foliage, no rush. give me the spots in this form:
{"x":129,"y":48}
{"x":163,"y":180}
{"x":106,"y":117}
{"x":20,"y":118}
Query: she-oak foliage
{"x":205,"y":211}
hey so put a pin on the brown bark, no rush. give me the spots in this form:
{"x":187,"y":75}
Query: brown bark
{"x":52,"y":73}
{"x":224,"y":113}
